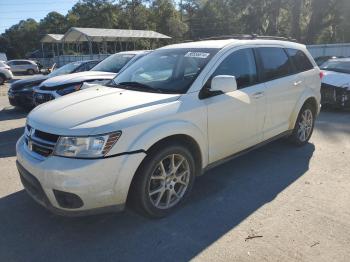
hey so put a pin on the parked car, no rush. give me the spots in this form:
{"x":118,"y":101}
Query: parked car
{"x":335,"y":88}
{"x":5,"y":73}
{"x":169,"y":116}
{"x":322,"y":59}
{"x":21,"y":92}
{"x":102,"y":73}
{"x":23,"y":66}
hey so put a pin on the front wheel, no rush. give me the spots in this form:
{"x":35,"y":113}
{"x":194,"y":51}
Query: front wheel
{"x":304,"y":126}
{"x":164,"y":180}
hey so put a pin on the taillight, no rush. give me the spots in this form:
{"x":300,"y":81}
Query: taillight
{"x":321,"y":75}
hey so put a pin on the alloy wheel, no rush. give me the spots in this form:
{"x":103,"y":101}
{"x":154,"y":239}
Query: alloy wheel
{"x":169,"y":181}
{"x":305,"y":125}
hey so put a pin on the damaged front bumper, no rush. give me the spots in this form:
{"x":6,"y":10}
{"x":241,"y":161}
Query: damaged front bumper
{"x":335,"y":96}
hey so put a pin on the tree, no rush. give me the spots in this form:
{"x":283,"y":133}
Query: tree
{"x":167,"y":19}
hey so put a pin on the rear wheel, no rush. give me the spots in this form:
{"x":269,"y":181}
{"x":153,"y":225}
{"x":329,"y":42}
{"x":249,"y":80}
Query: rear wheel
{"x":304,"y":126}
{"x":164,"y":180}
{"x":30,"y":72}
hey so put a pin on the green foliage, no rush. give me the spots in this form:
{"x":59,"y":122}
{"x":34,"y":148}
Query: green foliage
{"x":309,"y":21}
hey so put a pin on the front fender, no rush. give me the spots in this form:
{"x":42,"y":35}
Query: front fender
{"x":169,"y":128}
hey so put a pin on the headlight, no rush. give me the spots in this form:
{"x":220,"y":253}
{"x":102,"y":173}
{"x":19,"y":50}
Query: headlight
{"x":68,"y":89}
{"x":86,"y":147}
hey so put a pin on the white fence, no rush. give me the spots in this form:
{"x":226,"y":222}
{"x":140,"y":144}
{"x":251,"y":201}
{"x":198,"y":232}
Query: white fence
{"x":329,"y":50}
{"x":315,"y":50}
{"x":65,"y":59}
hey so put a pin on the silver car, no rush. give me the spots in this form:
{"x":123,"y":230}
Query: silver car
{"x":23,"y":66}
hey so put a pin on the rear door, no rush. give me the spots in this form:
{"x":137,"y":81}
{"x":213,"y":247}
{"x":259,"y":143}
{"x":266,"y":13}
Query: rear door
{"x":283,"y":87}
{"x":235,"y":119}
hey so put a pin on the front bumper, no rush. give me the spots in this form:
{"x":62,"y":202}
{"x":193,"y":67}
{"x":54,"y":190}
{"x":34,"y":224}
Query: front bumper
{"x":21,"y":98}
{"x":335,"y":96}
{"x":101,"y":184}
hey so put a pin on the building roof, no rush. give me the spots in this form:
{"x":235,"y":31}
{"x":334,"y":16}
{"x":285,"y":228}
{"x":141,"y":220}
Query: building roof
{"x":77,"y":34}
{"x":52,"y":38}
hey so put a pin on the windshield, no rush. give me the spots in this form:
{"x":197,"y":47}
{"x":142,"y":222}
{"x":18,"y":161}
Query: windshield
{"x":113,"y":63}
{"x":337,"y":66}
{"x":66,"y":69}
{"x":166,"y":70}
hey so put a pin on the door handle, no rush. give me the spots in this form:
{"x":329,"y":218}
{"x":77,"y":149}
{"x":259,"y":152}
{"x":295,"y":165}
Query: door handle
{"x":258,"y":95}
{"x":298,"y":83}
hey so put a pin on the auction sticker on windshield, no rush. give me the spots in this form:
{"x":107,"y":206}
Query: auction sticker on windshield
{"x":197,"y":55}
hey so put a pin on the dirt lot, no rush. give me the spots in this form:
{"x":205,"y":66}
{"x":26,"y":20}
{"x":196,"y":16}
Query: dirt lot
{"x":279,"y":203}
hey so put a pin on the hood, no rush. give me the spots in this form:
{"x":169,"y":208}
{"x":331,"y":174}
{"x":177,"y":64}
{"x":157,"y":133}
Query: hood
{"x":58,"y":81}
{"x":336,"y":79}
{"x":28,"y":82}
{"x":97,"y":110}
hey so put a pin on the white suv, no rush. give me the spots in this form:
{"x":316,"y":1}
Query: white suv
{"x":165,"y":119}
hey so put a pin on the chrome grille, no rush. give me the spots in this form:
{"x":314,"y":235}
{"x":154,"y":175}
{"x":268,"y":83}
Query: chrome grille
{"x":40,"y":142}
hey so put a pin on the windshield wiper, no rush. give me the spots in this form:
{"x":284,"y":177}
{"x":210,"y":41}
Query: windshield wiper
{"x":139,"y":87}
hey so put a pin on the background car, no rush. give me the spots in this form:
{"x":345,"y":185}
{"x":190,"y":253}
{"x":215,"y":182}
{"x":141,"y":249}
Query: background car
{"x":322,"y":59}
{"x":23,"y":66}
{"x":21,"y":92}
{"x":102,"y":73}
{"x":335,"y":88}
{"x":5,"y":72}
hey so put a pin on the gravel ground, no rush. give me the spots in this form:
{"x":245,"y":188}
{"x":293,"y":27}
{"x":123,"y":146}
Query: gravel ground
{"x":279,"y":203}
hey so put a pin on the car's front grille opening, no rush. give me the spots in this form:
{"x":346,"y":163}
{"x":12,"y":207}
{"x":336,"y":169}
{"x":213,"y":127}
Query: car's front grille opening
{"x":46,"y":136}
{"x":40,"y":142}
{"x":40,"y":98}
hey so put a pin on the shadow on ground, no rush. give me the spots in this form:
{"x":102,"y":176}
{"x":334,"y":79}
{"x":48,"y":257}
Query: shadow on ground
{"x":12,"y":113}
{"x":222,"y":199}
{"x":8,"y":141}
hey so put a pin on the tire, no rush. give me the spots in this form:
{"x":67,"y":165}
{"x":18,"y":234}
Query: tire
{"x":2,"y":79}
{"x":154,"y":183}
{"x":30,"y":72}
{"x":304,"y":126}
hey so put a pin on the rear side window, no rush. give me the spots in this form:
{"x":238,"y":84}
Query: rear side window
{"x":274,"y":62}
{"x":240,"y":64}
{"x":300,"y":61}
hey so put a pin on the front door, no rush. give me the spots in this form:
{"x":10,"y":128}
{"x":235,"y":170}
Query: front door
{"x":235,"y":119}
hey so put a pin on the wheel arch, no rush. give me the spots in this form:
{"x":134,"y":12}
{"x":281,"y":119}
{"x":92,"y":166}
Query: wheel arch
{"x":307,"y":98}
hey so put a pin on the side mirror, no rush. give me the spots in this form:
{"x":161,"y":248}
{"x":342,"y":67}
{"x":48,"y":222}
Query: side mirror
{"x":223,"y":83}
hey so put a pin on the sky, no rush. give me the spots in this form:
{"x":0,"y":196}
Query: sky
{"x":13,"y":11}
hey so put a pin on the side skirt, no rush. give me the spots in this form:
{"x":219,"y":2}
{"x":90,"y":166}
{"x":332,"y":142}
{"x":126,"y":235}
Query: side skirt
{"x":245,"y":151}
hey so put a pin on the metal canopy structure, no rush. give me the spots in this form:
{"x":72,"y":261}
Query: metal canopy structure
{"x":76,"y":34}
{"x":102,"y":39}
{"x":52,"y":38}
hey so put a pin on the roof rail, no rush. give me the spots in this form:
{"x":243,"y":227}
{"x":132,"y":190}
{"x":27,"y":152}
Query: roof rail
{"x":249,"y":37}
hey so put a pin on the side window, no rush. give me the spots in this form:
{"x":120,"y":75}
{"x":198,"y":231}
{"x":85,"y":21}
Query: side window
{"x":90,"y":65}
{"x":240,"y":64}
{"x":81,"y":68}
{"x":300,"y":61}
{"x":275,"y":63}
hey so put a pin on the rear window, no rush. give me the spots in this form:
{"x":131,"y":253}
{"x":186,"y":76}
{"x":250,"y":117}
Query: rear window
{"x":300,"y":61}
{"x":274,"y":62}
